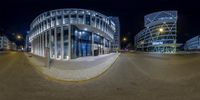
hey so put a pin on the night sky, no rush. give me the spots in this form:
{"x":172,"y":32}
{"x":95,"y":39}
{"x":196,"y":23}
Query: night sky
{"x":17,"y":15}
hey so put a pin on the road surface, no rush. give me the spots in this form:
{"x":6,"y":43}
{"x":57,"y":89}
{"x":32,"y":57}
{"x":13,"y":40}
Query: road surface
{"x":132,"y":77}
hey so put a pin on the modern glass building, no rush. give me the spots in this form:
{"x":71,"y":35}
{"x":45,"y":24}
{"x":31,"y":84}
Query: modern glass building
{"x":116,"y":43}
{"x":192,"y":44}
{"x":159,"y":34}
{"x":71,"y":33}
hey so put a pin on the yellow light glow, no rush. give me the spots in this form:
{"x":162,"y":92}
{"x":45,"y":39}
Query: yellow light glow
{"x":18,"y":37}
{"x":124,"y":39}
{"x":161,"y":29}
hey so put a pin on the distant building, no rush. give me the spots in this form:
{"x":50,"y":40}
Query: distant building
{"x":6,"y":44}
{"x":116,"y":42}
{"x":192,"y":44}
{"x":159,"y":34}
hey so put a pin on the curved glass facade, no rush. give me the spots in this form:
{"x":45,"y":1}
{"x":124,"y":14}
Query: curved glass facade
{"x":71,"y":33}
{"x":159,"y":34}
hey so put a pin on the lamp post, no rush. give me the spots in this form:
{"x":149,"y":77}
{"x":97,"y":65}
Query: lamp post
{"x":19,"y":38}
{"x":124,"y":40}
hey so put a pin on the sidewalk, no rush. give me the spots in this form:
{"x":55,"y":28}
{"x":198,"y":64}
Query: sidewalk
{"x":82,"y":68}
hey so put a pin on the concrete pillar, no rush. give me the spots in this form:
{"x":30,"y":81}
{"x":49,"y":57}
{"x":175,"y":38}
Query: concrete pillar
{"x":109,"y":46}
{"x":79,"y":49}
{"x":92,"y":44}
{"x":63,"y":19}
{"x":40,"y":37}
{"x":55,"y":36}
{"x":32,"y":47}
{"x":38,"y":52}
{"x":43,"y":43}
{"x":69,"y":42}
{"x":38,"y":45}
{"x":84,"y":18}
{"x":46,"y":39}
{"x":56,"y":19}
{"x":104,"y":42}
{"x":62,"y":44}
{"x":50,"y":46}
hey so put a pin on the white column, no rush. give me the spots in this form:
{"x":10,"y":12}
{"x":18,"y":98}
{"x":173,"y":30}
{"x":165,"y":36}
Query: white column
{"x":50,"y":46}
{"x":92,"y":44}
{"x":109,"y":46}
{"x":84,"y":18}
{"x":62,"y":43}
{"x":55,"y":36}
{"x":63,"y":19}
{"x":46,"y":39}
{"x":69,"y":42}
{"x":104,"y":42}
{"x":32,"y":47}
{"x":38,"y":45}
{"x":43,"y":43}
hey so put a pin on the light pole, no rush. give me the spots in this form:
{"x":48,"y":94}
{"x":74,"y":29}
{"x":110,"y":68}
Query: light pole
{"x":19,"y":38}
{"x":124,"y":40}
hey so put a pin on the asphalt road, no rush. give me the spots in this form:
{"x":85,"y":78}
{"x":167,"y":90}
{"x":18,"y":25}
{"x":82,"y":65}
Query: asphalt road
{"x":132,"y":77}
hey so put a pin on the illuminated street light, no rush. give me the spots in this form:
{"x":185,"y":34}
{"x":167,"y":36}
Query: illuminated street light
{"x":19,"y":37}
{"x":161,"y":30}
{"x":124,"y":39}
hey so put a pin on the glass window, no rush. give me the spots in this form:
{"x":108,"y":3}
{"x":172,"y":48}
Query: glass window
{"x":81,"y":43}
{"x":66,"y":17}
{"x":53,"y":21}
{"x":88,"y":19}
{"x":59,"y":19}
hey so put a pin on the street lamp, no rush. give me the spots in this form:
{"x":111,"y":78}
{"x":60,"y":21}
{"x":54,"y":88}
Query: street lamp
{"x":19,"y":37}
{"x":161,"y":30}
{"x":124,"y":39}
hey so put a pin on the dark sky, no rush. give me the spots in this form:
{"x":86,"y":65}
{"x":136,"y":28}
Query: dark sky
{"x":17,"y":15}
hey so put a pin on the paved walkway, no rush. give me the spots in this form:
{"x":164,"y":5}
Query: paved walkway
{"x":82,"y":68}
